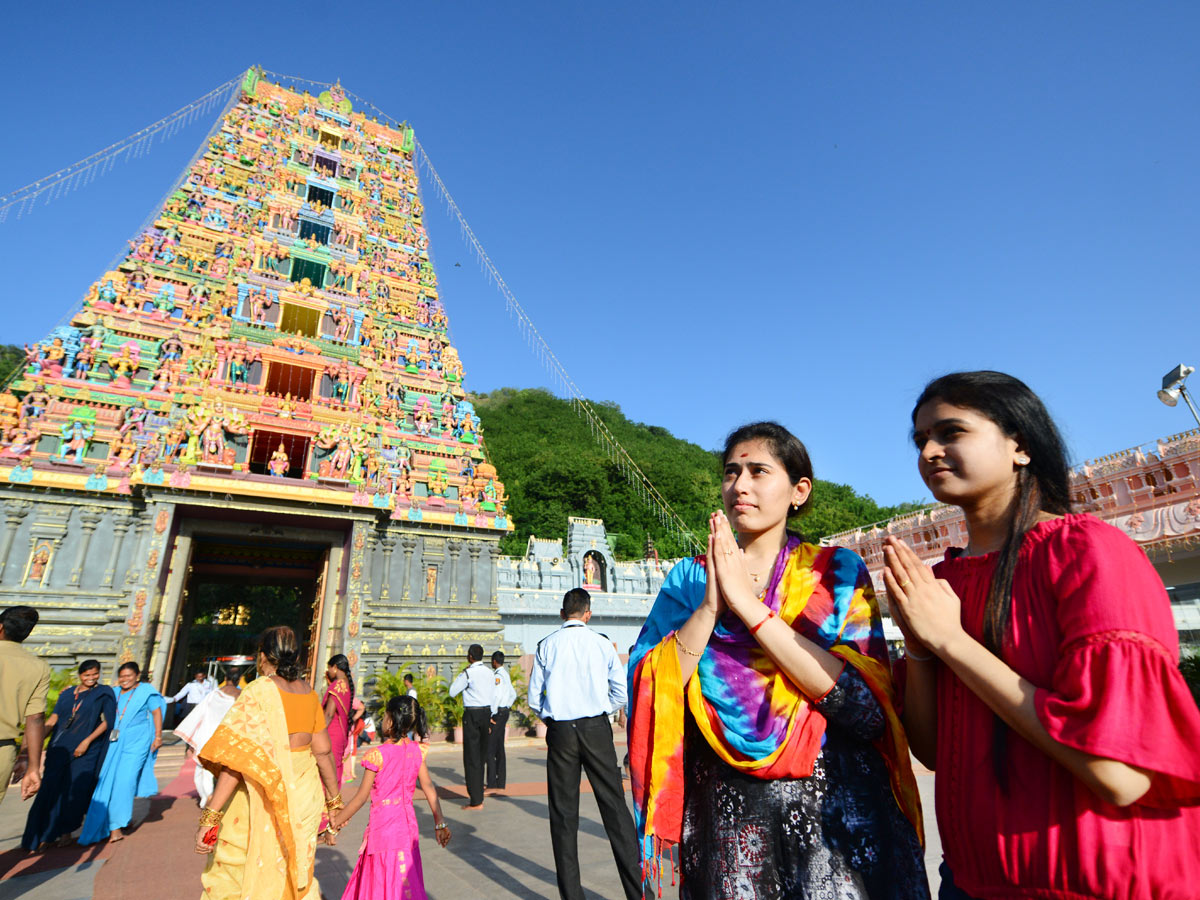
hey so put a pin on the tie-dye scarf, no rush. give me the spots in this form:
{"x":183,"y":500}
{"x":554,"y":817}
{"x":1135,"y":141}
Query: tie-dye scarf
{"x":751,"y":714}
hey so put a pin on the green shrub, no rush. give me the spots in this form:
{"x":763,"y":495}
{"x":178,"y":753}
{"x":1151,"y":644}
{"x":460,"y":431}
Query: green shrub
{"x":432,"y":693}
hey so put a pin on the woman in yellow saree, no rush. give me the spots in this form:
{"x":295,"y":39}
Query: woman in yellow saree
{"x":272,"y":756}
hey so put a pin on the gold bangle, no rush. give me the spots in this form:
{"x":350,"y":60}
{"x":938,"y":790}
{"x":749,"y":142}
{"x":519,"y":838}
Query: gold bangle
{"x":334,"y":803}
{"x":682,"y":646}
{"x":210,"y":817}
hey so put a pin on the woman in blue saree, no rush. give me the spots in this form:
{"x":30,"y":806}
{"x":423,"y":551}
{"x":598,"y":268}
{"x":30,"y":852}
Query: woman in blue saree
{"x":78,"y":744}
{"x":128,"y":769}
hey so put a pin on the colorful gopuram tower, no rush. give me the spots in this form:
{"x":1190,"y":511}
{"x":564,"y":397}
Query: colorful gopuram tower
{"x":260,"y":397}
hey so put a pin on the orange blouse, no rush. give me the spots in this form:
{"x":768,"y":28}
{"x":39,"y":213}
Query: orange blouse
{"x":303,"y":712}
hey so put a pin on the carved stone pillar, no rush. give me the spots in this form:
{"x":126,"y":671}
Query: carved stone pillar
{"x":120,"y":525}
{"x":474,"y":548}
{"x":387,"y":543}
{"x":408,"y":544}
{"x":14,"y":513}
{"x":89,"y":518}
{"x":132,"y":572}
{"x":454,"y":546}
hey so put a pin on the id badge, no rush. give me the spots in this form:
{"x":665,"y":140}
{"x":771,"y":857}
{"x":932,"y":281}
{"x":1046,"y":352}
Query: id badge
{"x":114,"y":735}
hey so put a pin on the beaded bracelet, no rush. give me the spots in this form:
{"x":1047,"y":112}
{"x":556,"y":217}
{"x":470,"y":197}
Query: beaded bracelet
{"x":770,"y":615}
{"x":441,"y":826}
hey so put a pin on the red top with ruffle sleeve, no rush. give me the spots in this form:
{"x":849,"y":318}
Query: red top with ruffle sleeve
{"x":1092,"y":628}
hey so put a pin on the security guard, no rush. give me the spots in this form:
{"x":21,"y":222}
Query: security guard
{"x":476,"y":684}
{"x":577,"y":681}
{"x":503,"y":698}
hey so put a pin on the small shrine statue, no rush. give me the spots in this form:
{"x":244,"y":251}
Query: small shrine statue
{"x":85,"y":356}
{"x":591,"y":575}
{"x":171,"y":348}
{"x":241,"y":358}
{"x":52,"y":359}
{"x":35,"y":402}
{"x":133,"y":417}
{"x":164,"y":301}
{"x":123,"y":365}
{"x":76,"y":438}
{"x":279,"y":462}
{"x":38,"y":562}
{"x":22,"y":441}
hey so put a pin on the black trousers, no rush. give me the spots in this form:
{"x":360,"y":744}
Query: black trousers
{"x":475,"y":738}
{"x":496,"y":776}
{"x":587,"y":745}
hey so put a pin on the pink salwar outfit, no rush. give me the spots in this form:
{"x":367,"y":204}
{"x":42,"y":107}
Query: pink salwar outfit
{"x":389,"y":861}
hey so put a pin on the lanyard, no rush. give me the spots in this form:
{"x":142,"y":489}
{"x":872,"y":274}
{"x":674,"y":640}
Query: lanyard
{"x":120,"y":718}
{"x":75,"y":708}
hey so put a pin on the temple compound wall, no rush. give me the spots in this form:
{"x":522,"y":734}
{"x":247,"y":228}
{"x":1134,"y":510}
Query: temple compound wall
{"x":529,"y":589}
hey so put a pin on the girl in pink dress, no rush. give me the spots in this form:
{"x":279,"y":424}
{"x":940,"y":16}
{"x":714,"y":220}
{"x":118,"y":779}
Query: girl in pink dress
{"x":337,"y":702}
{"x":389,"y":862}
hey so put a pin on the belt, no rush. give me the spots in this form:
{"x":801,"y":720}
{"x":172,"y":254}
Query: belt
{"x":579,"y":719}
{"x":478,"y":707}
{"x":8,"y":742}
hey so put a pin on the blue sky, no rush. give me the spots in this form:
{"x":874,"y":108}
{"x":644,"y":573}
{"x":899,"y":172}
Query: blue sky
{"x":713,"y":212}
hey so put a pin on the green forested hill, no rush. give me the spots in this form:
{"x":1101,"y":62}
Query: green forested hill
{"x":552,"y":469}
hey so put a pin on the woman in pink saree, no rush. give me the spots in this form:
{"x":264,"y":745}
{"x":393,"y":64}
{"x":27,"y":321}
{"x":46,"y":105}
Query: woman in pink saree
{"x":337,"y":702}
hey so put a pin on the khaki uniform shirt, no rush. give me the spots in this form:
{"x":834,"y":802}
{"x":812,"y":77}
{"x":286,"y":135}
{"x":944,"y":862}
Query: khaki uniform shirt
{"x":24,"y":681}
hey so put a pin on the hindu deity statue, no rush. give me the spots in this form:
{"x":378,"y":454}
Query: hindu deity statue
{"x":23,"y":440}
{"x":342,"y":323}
{"x":108,"y":293}
{"x":122,"y":451}
{"x":75,"y":438}
{"x":123,"y":365}
{"x":260,"y":303}
{"x":133,"y":418}
{"x":171,"y":348}
{"x":341,"y":378}
{"x":164,"y":301}
{"x":35,"y":402}
{"x":279,"y":463}
{"x":423,"y":417}
{"x":52,"y":359}
{"x":241,"y":358}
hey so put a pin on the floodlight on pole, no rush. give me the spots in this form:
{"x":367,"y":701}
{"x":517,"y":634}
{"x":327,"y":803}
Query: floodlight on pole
{"x":1174,"y":387}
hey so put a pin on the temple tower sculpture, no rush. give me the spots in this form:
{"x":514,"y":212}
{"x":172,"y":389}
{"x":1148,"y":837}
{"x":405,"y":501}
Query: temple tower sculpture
{"x":258,"y":406}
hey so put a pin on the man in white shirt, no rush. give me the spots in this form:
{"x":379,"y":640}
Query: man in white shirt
{"x":477,"y":685}
{"x":503,"y":698}
{"x":193,"y":692}
{"x":576,"y":683}
{"x":409,"y":686}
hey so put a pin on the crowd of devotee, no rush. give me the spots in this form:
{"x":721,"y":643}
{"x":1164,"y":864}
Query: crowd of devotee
{"x":771,"y":735}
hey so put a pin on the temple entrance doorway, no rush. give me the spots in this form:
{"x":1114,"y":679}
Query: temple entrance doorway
{"x":231,"y":580}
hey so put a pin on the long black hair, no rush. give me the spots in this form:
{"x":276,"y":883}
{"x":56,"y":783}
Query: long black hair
{"x":406,"y":717}
{"x":784,"y":446}
{"x":282,"y":650}
{"x":339,"y":661}
{"x":1042,"y":485}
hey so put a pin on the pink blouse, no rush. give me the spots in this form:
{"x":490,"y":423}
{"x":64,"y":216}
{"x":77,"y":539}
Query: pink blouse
{"x":1092,"y":629}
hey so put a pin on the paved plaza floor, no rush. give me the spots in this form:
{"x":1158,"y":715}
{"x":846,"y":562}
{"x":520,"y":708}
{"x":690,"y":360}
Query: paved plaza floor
{"x":502,"y":851}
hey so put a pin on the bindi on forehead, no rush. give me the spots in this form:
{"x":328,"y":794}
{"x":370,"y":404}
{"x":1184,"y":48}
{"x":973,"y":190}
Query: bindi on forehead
{"x":743,"y":456}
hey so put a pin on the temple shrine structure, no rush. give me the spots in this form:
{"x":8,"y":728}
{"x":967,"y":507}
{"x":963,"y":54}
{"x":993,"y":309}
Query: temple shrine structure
{"x":261,"y":397}
{"x":1151,"y":492}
